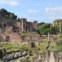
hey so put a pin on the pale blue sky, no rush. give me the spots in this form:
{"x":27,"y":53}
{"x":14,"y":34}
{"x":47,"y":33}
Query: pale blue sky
{"x":40,"y":10}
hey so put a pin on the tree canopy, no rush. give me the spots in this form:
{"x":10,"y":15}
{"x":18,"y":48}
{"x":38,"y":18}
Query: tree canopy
{"x":46,"y":27}
{"x":4,"y":13}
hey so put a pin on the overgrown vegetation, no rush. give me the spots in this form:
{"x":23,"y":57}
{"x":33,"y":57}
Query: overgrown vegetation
{"x":46,"y":27}
{"x":8,"y":15}
{"x":33,"y":49}
{"x":59,"y":43}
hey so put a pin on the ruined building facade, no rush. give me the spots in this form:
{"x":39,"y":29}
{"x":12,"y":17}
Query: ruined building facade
{"x":25,"y":26}
{"x":19,"y":25}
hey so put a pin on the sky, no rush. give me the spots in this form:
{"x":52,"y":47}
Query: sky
{"x":40,"y":10}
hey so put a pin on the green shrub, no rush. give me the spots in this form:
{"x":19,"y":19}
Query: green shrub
{"x":59,"y":45}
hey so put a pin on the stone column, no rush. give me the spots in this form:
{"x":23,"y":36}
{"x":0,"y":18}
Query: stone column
{"x":48,"y":51}
{"x":56,"y":56}
{"x":48,"y":39}
{"x":47,"y":56}
{"x":60,"y":28}
{"x":52,"y":58}
{"x":22,"y":26}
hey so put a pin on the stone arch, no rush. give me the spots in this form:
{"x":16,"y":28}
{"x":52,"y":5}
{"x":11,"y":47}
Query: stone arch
{"x":7,"y":38}
{"x":4,"y":24}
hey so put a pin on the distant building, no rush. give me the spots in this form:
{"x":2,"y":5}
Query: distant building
{"x":57,"y":22}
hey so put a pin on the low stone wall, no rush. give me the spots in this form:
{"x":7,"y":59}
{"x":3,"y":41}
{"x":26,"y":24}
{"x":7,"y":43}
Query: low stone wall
{"x":48,"y":56}
{"x":14,"y":55}
{"x":30,"y":39}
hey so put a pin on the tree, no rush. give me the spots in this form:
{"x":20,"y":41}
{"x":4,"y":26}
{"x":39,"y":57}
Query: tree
{"x":41,"y":23}
{"x":44,"y":28}
{"x":12,"y":16}
{"x":54,"y":30}
{"x":4,"y":13}
{"x":59,"y":45}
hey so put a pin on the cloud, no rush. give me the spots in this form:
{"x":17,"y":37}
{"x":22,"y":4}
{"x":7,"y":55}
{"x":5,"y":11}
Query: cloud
{"x":53,"y":12}
{"x":9,"y":2}
{"x":32,"y":11}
